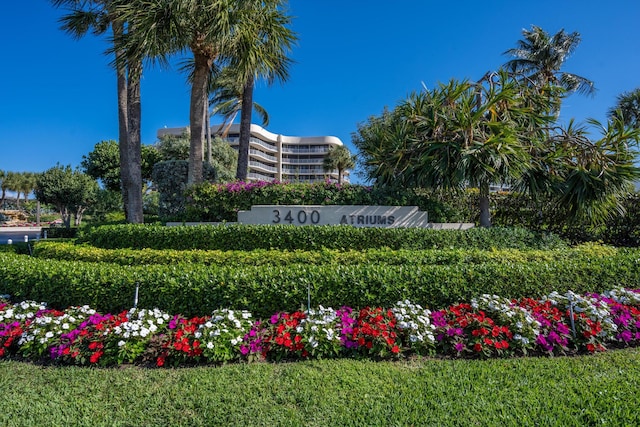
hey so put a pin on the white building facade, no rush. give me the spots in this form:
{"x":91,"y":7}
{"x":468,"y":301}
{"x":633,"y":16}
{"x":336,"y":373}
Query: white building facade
{"x":276,"y":157}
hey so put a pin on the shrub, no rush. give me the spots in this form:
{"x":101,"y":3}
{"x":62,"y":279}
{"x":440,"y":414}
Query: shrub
{"x":194,"y":289}
{"x":72,"y":252}
{"x":221,"y":202}
{"x":251,"y":237}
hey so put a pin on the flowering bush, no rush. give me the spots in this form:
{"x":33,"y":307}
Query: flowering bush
{"x":181,"y":343}
{"x":554,"y":334}
{"x":489,"y":326}
{"x":376,"y":334}
{"x":523,"y":325}
{"x":223,"y":335}
{"x":321,"y":333}
{"x":414,"y":327}
{"x":461,"y":331}
{"x":590,"y":319}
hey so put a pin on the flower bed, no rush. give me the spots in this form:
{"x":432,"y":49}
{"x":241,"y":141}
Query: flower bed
{"x":489,"y":326}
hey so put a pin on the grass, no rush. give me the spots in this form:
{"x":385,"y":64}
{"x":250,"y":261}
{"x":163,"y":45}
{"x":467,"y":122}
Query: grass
{"x":600,"y":389}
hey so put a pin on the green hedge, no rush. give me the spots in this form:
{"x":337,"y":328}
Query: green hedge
{"x":72,"y":252}
{"x":286,"y":237}
{"x":221,"y":202}
{"x":195,"y":289}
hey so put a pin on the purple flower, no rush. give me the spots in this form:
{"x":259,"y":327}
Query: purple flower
{"x":625,"y":336}
{"x":459,"y":347}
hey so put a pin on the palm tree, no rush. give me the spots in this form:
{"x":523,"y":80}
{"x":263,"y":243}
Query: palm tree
{"x":539,"y":58}
{"x":165,"y":27}
{"x":339,"y":158}
{"x":455,"y":136}
{"x":258,"y":49}
{"x":595,"y":175}
{"x":627,"y":108}
{"x":11,"y":182}
{"x":3,"y":176}
{"x":226,"y":98}
{"x":97,"y":16}
{"x":25,"y":184}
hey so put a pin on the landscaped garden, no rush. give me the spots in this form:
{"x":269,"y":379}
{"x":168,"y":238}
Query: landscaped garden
{"x":386,"y":326}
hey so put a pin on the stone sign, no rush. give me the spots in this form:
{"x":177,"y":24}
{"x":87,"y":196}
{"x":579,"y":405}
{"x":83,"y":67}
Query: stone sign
{"x":357,"y":216}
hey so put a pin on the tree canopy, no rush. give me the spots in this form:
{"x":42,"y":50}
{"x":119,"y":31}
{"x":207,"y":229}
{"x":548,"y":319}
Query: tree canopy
{"x":70,"y":191}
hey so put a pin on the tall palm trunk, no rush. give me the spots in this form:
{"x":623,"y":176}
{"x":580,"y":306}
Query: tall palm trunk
{"x":245,"y":130}
{"x":196,"y":115}
{"x":485,"y":214}
{"x":123,"y":125}
{"x":133,"y":167}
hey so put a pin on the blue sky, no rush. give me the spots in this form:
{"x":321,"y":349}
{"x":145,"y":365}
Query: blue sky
{"x":353,"y":58}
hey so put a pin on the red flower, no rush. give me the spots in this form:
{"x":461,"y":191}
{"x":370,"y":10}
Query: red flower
{"x":395,"y":349}
{"x":95,"y":356}
{"x":477,"y":347}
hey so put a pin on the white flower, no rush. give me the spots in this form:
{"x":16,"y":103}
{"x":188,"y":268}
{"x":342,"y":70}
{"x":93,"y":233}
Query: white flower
{"x":209,"y":345}
{"x":121,"y":343}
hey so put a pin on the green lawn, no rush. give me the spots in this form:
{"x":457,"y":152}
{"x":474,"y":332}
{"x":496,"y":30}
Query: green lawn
{"x":601,"y":389}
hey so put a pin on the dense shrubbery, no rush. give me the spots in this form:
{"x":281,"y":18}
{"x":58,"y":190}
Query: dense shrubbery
{"x":71,"y":252}
{"x":196,"y":289}
{"x":513,"y":210}
{"x":251,"y":237}
{"x":221,"y":202}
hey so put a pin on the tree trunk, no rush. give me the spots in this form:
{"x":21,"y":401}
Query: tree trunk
{"x":485,"y":214}
{"x":245,"y":130}
{"x":78,"y":215}
{"x":133,"y":169}
{"x":207,"y":126}
{"x":199,"y":88}
{"x":66,"y":216}
{"x":123,"y":125}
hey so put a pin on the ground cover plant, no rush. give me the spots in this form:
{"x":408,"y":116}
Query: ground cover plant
{"x":569,"y":391}
{"x":490,"y":326}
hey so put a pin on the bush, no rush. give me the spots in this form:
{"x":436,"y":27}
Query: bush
{"x":72,"y":252}
{"x":221,"y":202}
{"x":59,"y":232}
{"x":284,"y":237}
{"x":196,"y":289}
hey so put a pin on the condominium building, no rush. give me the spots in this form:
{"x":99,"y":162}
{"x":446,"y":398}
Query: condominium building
{"x":280,"y":157}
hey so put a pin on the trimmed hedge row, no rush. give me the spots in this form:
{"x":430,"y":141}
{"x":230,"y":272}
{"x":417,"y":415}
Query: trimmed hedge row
{"x":221,"y":202}
{"x":71,"y":252}
{"x":194,"y":289}
{"x":288,"y":237}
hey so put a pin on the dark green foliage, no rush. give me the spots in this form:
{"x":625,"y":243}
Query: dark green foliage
{"x":103,"y":163}
{"x":72,"y":252}
{"x":516,"y":210}
{"x":196,"y":289}
{"x":60,"y":232}
{"x":70,"y":191}
{"x":170,"y":178}
{"x":208,"y":202}
{"x":251,"y":237}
